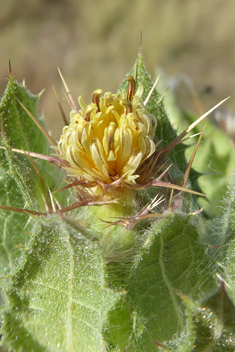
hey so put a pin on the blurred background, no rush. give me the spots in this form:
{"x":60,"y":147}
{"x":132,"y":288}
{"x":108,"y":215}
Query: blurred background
{"x":95,"y":43}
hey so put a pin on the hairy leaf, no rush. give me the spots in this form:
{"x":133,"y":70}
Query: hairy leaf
{"x":20,"y":186}
{"x":59,"y":297}
{"x":173,"y":263}
{"x":208,"y":327}
{"x":19,"y":131}
{"x":223,"y":230}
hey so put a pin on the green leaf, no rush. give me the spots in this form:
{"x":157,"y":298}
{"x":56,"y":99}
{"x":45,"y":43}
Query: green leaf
{"x":165,"y":132}
{"x":15,"y":228}
{"x":173,"y":263}
{"x":18,"y":126}
{"x":20,"y":186}
{"x":205,"y":331}
{"x":21,"y":132}
{"x":223,"y":307}
{"x":229,"y":267}
{"x":59,"y":299}
{"x":226,"y":225}
{"x":224,"y":230}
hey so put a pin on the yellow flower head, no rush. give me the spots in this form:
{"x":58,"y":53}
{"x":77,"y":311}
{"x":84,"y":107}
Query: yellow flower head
{"x":109,"y":139}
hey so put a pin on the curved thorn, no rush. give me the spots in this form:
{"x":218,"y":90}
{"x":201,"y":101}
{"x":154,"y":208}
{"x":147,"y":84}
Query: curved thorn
{"x":51,"y":159}
{"x":22,"y":211}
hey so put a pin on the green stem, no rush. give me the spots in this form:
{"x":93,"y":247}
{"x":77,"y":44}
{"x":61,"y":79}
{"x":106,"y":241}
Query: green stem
{"x":112,"y":212}
{"x":116,"y":239}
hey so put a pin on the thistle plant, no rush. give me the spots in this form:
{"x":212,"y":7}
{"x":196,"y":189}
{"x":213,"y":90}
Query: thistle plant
{"x":104,"y":246}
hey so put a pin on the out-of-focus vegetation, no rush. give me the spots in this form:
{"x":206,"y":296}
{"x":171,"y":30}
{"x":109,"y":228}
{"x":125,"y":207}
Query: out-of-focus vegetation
{"x":94,"y":42}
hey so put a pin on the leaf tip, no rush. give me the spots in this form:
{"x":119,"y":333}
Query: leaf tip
{"x":10,"y":70}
